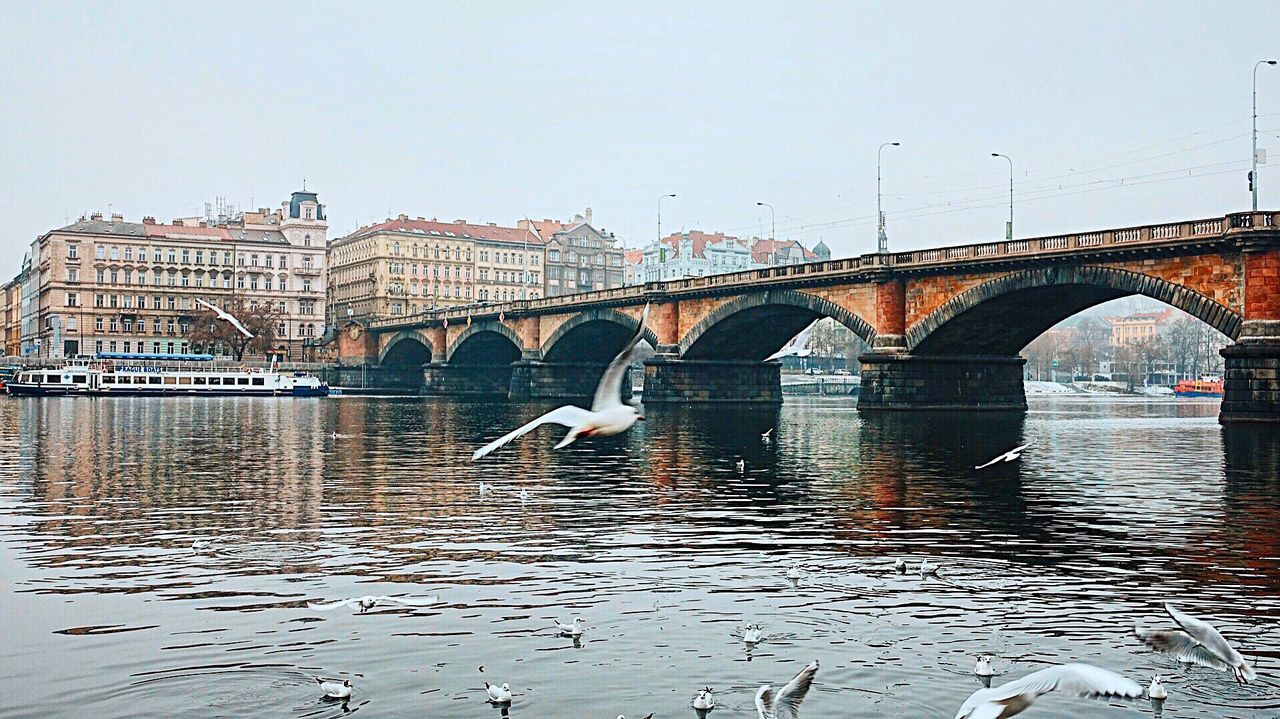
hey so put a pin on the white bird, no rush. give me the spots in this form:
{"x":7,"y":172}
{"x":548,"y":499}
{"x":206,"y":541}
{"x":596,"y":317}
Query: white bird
{"x":524,"y":495}
{"x":767,"y":437}
{"x":483,"y":489}
{"x":796,"y":347}
{"x":752,"y":634}
{"x":366,"y":603}
{"x":796,"y":572}
{"x":646,"y":716}
{"x":1197,"y":642}
{"x":786,"y":703}
{"x":704,"y":700}
{"x":982,"y":667}
{"x":741,"y":466}
{"x":1156,"y":690}
{"x":1011,"y":455}
{"x":498,"y":694}
{"x":900,"y":566}
{"x":335,"y":690}
{"x":608,"y":415}
{"x":202,"y":545}
{"x":1015,"y":696}
{"x":224,"y":315}
{"x":573,"y":629}
{"x":927,"y":570}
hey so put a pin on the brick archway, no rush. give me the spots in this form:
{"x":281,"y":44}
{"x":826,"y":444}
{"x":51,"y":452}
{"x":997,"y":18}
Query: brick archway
{"x":1015,"y":309}
{"x":791,"y":312}
{"x":487,"y":332}
{"x":596,"y":315}
{"x":392,"y":345}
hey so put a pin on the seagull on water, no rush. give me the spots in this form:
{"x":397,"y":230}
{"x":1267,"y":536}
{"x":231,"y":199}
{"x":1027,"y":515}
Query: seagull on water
{"x":927,"y":570}
{"x":335,"y":690}
{"x":796,"y":572}
{"x":498,"y":694}
{"x":572,"y":629}
{"x":704,"y":700}
{"x":1196,"y":642}
{"x":785,"y":704}
{"x":741,"y":466}
{"x":230,"y":318}
{"x":900,"y":566}
{"x":982,"y":667}
{"x":1156,"y":690}
{"x":1011,"y":455}
{"x":366,"y":603}
{"x":202,"y":545}
{"x":608,"y":415}
{"x":1015,"y":696}
{"x":767,"y":437}
{"x":752,"y":634}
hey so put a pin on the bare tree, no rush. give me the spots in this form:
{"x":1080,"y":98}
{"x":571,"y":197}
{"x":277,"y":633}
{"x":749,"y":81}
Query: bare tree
{"x":213,"y":334}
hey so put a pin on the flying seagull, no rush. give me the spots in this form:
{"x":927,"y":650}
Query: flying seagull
{"x":224,"y":315}
{"x":1196,"y":642}
{"x":1014,"y":697}
{"x":785,"y":704}
{"x":366,"y":603}
{"x":795,"y":346}
{"x":607,"y":416}
{"x":1011,"y":455}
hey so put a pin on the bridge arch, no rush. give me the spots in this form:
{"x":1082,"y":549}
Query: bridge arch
{"x":756,"y":325}
{"x":1002,"y":316}
{"x":405,"y":348}
{"x":484,"y":343}
{"x":596,"y":335}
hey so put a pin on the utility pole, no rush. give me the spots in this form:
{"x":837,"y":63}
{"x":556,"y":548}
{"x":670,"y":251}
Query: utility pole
{"x":882,"y":238}
{"x":1253,"y":174}
{"x":1008,"y":229}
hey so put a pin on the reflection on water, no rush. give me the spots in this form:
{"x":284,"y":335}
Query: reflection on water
{"x":655,"y":538}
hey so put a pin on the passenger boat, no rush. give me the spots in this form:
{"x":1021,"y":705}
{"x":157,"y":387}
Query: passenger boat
{"x":162,"y":375}
{"x":1206,"y":386}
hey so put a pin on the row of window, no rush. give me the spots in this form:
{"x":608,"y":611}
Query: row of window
{"x":508,"y":258}
{"x":455,"y":252}
{"x":113,"y":252}
{"x":396,"y":288}
{"x":150,"y":379}
{"x":127,"y":277}
{"x":510,"y":276}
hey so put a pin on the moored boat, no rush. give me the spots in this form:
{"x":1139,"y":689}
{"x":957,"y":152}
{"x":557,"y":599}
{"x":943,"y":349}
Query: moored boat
{"x":1206,"y":386}
{"x":162,"y":375}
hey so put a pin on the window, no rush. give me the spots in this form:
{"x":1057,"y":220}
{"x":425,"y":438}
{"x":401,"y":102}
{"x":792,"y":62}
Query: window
{"x":306,"y":285}
{"x":172,"y":302}
{"x":100,"y":252}
{"x":101,"y":276}
{"x":156,"y":255}
{"x":155,"y":329}
{"x":73,"y":252}
{"x":97,"y":345}
{"x":253,"y":282}
{"x":173,"y":256}
{"x":97,"y":325}
{"x":306,"y":240}
{"x":115,"y":326}
{"x":155,"y":346}
{"x":115,"y":252}
{"x":113,"y":300}
{"x":99,"y":300}
{"x":270,"y":262}
{"x":186,"y":257}
{"x":128,"y":346}
{"x":71,"y":324}
{"x":73,"y":299}
{"x":200,"y":257}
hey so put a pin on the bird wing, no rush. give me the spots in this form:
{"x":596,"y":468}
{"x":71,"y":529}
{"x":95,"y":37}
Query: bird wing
{"x":1083,"y":679}
{"x":567,"y":415}
{"x":787,"y":703}
{"x":796,"y":344}
{"x":223,"y":314}
{"x":609,"y":391}
{"x":764,"y":702}
{"x":1181,"y":646}
{"x":236,"y":323}
{"x":988,"y":464}
{"x":1207,"y":635}
{"x":324,"y":607}
{"x":410,"y":601}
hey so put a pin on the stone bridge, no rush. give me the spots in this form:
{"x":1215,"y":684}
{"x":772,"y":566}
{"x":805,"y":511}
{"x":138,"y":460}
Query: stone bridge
{"x":945,"y":326}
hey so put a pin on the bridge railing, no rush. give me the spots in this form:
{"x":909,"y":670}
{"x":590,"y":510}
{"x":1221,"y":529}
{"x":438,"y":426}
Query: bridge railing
{"x":1206,"y":229}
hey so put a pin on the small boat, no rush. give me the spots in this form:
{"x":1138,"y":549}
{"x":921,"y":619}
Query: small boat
{"x":1206,"y":386}
{"x":117,"y":374}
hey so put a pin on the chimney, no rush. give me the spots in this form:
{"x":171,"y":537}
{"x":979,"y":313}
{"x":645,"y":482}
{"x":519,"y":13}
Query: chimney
{"x":96,"y":216}
{"x":404,"y":218}
{"x":588,"y":215}
{"x":117,"y":218}
{"x":177,"y":223}
{"x":148,"y":220}
{"x":459,"y":222}
{"x":492,"y":224}
{"x":203,"y":223}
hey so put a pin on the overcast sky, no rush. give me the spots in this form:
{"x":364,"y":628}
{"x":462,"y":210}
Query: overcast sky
{"x":1113,"y":113}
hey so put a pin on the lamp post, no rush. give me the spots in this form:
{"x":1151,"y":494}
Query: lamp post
{"x":881,"y":236}
{"x":1008,"y":229}
{"x":1253,"y":174}
{"x":773,"y":220}
{"x":660,"y":199}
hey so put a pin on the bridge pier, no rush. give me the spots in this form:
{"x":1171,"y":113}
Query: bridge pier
{"x":1251,"y":383}
{"x":532,"y":379}
{"x":668,"y":379}
{"x":466,"y":380}
{"x":902,"y":381}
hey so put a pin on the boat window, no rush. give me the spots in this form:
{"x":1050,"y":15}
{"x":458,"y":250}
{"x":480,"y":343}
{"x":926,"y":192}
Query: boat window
{"x":153,"y":380}
{"x":170,"y":380}
{"x":258,"y":381}
{"x":242,"y":380}
{"x":198,"y":380}
{"x":53,"y":378}
{"x":184,"y":380}
{"x":108,"y":379}
{"x":78,"y":378}
{"x":215,"y":380}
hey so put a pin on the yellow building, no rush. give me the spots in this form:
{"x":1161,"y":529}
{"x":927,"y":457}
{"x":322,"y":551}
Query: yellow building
{"x":509,"y":263}
{"x":11,"y":318}
{"x":1139,"y":327}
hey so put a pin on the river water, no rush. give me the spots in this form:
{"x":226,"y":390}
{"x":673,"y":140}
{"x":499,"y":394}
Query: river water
{"x":654,"y":538}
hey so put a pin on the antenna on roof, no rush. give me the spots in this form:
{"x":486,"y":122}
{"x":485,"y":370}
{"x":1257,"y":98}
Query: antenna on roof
{"x":304,"y":184}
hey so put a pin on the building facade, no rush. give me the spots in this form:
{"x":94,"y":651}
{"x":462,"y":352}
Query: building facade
{"x":579,"y":257}
{"x":105,"y":285}
{"x":694,"y":254}
{"x":1139,"y":327}
{"x":509,"y":264}
{"x":11,"y":317}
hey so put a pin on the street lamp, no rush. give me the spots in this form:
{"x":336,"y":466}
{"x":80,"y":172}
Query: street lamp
{"x":882,"y":237}
{"x":773,"y":220}
{"x":660,"y":199}
{"x":1008,"y":229}
{"x":1253,"y":175}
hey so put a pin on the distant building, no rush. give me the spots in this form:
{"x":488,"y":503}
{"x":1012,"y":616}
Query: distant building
{"x":102,"y":284}
{"x":11,"y":317}
{"x":694,"y":254}
{"x":1139,"y":327}
{"x":633,"y":267}
{"x":783,"y":252}
{"x":580,"y":257}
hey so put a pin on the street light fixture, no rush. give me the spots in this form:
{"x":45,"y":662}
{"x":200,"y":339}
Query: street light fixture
{"x":1253,"y":174}
{"x":881,"y":236}
{"x":660,"y":199}
{"x":1008,"y":229}
{"x":773,"y":220}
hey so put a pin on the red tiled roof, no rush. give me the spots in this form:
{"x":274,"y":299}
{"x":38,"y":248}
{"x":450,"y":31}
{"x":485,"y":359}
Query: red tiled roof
{"x":634,"y":257}
{"x":177,"y":231}
{"x":460,"y":229}
{"x":763,"y":250}
{"x":699,"y":239}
